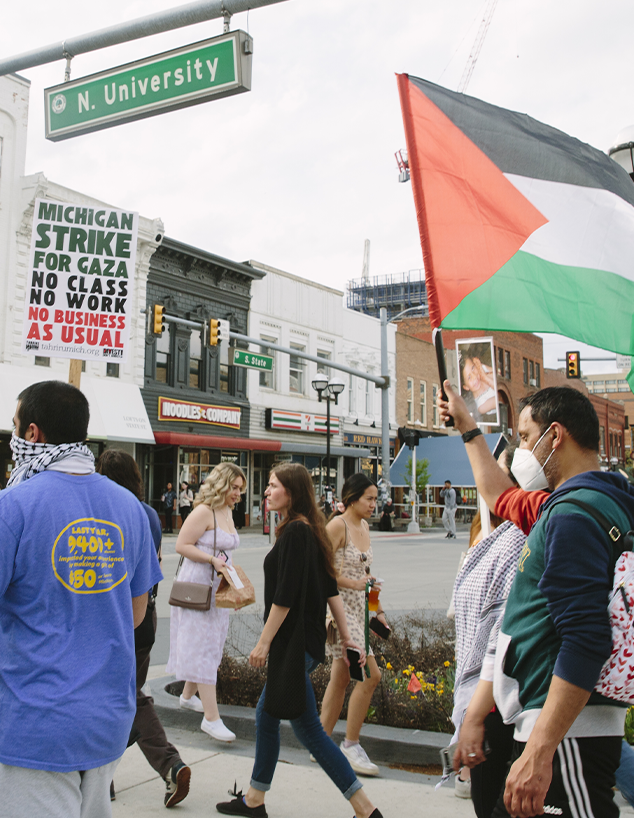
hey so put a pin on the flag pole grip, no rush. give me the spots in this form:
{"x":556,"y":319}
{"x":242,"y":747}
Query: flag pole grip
{"x":442,"y":366}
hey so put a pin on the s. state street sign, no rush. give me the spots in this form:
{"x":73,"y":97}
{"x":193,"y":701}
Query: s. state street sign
{"x":210,"y":69}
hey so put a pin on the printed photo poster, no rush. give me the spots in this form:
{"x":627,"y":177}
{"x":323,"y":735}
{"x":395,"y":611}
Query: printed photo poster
{"x":80,"y":282}
{"x":477,"y":382}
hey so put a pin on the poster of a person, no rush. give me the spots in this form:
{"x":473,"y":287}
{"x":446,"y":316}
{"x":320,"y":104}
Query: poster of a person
{"x":478,"y":385}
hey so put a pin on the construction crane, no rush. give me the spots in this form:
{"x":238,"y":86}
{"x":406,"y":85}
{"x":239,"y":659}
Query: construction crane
{"x":477,"y":45}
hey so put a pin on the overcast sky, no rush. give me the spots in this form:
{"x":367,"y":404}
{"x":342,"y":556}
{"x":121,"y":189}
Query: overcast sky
{"x":301,"y":170}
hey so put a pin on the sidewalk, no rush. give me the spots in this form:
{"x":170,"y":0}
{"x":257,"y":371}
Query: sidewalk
{"x":299,"y":787}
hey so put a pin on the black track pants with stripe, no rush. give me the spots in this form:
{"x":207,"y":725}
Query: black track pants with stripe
{"x":583,"y":777}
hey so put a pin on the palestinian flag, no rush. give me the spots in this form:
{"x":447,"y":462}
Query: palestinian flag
{"x":523,"y":227}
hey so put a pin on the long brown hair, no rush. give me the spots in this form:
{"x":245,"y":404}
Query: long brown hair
{"x":297,"y":481}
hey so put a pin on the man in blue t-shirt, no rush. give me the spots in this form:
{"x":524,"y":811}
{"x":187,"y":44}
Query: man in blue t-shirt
{"x":76,"y":564}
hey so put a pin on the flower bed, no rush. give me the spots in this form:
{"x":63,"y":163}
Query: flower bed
{"x":417,"y":672}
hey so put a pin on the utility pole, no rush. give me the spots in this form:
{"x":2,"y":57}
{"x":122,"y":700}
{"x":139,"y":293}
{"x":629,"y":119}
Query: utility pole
{"x":385,"y":409}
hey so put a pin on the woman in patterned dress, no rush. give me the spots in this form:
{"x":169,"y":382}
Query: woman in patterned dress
{"x":197,"y":638}
{"x":350,"y":536}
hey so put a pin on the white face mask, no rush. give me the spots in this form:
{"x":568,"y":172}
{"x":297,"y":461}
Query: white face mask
{"x":527,"y":469}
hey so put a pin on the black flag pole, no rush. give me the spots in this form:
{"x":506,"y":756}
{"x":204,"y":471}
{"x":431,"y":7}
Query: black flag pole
{"x":442,"y":366}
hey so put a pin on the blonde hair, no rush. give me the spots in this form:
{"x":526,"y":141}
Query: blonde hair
{"x":215,"y":488}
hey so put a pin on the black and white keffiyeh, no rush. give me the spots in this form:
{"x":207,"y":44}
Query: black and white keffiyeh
{"x":31,"y":458}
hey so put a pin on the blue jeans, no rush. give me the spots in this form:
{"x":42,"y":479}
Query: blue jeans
{"x":309,"y":731}
{"x":625,"y":773}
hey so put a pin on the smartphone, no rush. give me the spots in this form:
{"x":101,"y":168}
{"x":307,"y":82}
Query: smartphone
{"x":356,"y":671}
{"x":436,"y":337}
{"x":379,"y":628}
{"x":446,"y":759}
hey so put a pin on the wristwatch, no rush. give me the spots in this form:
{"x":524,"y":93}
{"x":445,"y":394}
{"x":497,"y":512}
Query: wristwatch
{"x":467,"y":436}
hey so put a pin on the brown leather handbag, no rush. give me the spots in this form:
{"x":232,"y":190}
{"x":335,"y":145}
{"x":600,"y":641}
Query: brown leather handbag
{"x":193,"y":595}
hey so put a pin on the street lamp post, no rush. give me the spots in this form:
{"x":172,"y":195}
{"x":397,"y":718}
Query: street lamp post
{"x":330,"y":390}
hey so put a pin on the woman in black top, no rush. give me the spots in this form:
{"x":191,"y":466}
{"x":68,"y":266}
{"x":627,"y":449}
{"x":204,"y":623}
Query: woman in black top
{"x":298,"y":582}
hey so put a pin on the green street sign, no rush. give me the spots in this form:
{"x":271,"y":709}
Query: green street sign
{"x":242,"y":357}
{"x":210,"y":69}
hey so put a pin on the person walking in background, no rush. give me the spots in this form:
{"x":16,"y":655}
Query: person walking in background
{"x":185,"y":500}
{"x":197,"y":638}
{"x":299,"y":579}
{"x":162,"y":756}
{"x":76,"y":564}
{"x":169,"y":507}
{"x":385,"y":523}
{"x":449,"y":514}
{"x":350,"y":536}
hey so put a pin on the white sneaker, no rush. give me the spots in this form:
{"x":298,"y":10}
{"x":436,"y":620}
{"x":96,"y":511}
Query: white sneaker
{"x":216,"y":729}
{"x":191,"y":704}
{"x":359,"y":760}
{"x":462,"y":788}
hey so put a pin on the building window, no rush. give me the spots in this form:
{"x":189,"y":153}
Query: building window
{"x":267,"y":379}
{"x":525,"y":370}
{"x":537,"y":376}
{"x":224,"y":378}
{"x":531,"y":373}
{"x":163,"y":356}
{"x":40,"y":360}
{"x":602,"y":439}
{"x":327,"y":356}
{"x":296,"y":371}
{"x":423,"y":402}
{"x":369,"y":395}
{"x":352,"y":396}
{"x":112,"y":370}
{"x":507,"y":364}
{"x":410,"y":400}
{"x":500,"y":361}
{"x":434,"y":393}
{"x":195,"y":360}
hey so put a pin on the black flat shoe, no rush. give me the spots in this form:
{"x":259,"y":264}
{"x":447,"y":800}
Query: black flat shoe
{"x":238,"y":807}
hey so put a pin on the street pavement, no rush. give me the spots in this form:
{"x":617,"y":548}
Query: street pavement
{"x":418,"y":573}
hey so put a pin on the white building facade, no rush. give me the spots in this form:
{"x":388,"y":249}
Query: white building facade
{"x":118,"y":416}
{"x":310,"y":318}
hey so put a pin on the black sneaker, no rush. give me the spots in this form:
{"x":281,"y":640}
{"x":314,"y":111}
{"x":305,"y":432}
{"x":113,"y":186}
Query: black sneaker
{"x":238,"y":807}
{"x":177,"y":784}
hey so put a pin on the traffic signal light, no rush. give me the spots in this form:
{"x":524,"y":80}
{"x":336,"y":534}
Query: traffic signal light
{"x":214,"y":329}
{"x":158,"y":319}
{"x":572,"y":365}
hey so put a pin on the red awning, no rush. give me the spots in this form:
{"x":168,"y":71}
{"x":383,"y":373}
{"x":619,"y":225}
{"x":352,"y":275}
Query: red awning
{"x":214,"y":442}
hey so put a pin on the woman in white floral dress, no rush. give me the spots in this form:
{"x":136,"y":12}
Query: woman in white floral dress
{"x":350,"y":536}
{"x":197,"y":638}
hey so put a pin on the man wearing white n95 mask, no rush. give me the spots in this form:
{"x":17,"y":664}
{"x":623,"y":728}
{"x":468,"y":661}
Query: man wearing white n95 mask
{"x":76,"y":563}
{"x":556,"y":633}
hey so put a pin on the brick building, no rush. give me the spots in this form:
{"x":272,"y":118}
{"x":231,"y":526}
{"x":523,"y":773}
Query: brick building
{"x":613,"y":438}
{"x":518,"y":361}
{"x":417,"y":382}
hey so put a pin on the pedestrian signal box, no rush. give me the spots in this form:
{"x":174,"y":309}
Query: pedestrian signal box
{"x":158,"y":319}
{"x":214,"y":329}
{"x":573,"y":368}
